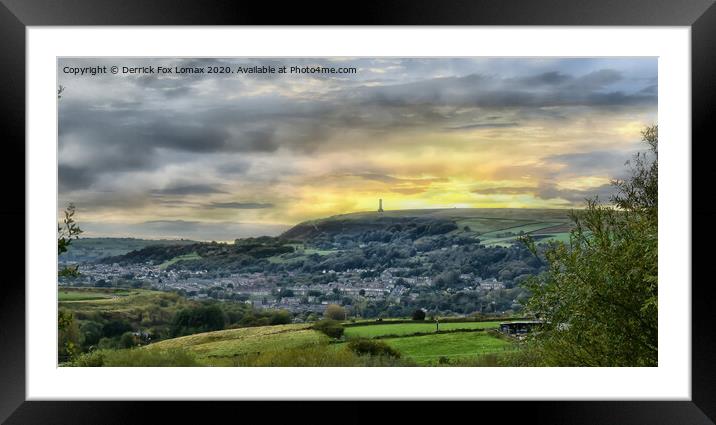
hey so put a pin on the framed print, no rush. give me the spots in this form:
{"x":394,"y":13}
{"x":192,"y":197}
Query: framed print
{"x":413,"y":202}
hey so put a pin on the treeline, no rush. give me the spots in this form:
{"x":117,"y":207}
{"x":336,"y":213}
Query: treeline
{"x":172,"y":316}
{"x":243,"y":252}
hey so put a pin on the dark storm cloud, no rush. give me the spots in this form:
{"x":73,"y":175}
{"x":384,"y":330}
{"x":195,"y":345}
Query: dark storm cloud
{"x":121,"y":126}
{"x":595,"y":162}
{"x":71,"y":178}
{"x":545,"y":90}
{"x":603,"y":193}
{"x":193,"y":189}
{"x":484,"y":125}
{"x":240,"y":205}
{"x":550,"y":191}
{"x":607,"y":163}
{"x":186,"y":229}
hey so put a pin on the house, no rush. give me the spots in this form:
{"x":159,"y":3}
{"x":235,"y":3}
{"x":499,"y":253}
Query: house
{"x":519,"y":327}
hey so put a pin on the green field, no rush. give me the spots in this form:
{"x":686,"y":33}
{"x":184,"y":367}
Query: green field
{"x":372,"y":331}
{"x":80,"y":295}
{"x":221,"y":348}
{"x":228,"y":347}
{"x":428,"y":349}
{"x":558,"y":237}
{"x":524,"y":228}
{"x":299,"y":255}
{"x":186,"y":257}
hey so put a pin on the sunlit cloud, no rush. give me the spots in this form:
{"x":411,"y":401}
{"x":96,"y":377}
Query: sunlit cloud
{"x":147,"y":154}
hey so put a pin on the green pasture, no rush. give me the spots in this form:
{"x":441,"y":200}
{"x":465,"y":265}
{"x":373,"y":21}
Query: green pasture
{"x":372,"y":331}
{"x":222,"y":348}
{"x":186,"y":257}
{"x":428,"y":349}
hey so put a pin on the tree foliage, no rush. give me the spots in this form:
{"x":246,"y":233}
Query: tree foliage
{"x":419,"y":314}
{"x":67,"y":231}
{"x":335,"y":312}
{"x":598,"y":298}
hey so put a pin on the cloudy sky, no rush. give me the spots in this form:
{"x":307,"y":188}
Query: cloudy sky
{"x":215,"y":157}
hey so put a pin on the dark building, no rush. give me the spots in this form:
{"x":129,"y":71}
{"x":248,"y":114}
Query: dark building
{"x":519,"y":327}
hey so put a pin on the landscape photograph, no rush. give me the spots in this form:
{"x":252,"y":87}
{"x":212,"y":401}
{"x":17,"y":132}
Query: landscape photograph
{"x":357,"y":211}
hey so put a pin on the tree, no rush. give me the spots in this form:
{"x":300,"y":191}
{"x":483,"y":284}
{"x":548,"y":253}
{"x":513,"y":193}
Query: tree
{"x":335,"y":312}
{"x":331,"y":328}
{"x":598,"y":297}
{"x":67,"y":231}
{"x":127,"y":340}
{"x":68,"y":336}
{"x":419,"y":314}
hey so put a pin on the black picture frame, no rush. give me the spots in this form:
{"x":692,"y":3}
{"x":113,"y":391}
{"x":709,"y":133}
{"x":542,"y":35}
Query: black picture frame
{"x":16,"y":15}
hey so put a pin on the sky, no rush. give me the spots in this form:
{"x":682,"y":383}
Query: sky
{"x":222,"y":156}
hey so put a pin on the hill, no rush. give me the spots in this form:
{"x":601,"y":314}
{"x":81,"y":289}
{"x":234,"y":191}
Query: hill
{"x":495,"y":226}
{"x":92,"y":249}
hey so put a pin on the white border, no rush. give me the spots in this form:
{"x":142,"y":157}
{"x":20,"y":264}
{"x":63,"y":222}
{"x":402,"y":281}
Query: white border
{"x":671,"y":380}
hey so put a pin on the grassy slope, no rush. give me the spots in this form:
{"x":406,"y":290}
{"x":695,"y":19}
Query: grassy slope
{"x":138,"y":306}
{"x":486,"y":222}
{"x":227,"y":347}
{"x":221,"y":347}
{"x":187,"y":257}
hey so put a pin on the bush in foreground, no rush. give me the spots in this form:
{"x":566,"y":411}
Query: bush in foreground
{"x":322,"y":355}
{"x":335,"y":312}
{"x":371,"y":347}
{"x":331,"y":328}
{"x":135,"y":357}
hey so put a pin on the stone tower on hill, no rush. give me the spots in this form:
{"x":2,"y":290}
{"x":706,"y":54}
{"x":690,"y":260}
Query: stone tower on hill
{"x":380,"y":205}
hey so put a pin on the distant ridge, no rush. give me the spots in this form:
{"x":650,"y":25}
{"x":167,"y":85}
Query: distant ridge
{"x":373,"y":220}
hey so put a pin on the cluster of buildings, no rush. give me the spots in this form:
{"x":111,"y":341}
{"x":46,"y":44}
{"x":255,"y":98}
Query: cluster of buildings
{"x":290,"y":290}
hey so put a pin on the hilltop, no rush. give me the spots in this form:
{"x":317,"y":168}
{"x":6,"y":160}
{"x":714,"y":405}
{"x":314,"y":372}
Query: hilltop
{"x":494,"y":225}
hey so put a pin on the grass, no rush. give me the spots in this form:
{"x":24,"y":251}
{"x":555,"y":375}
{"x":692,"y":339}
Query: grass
{"x":525,"y":228}
{"x":372,"y":331}
{"x":488,"y":225}
{"x":299,"y":255}
{"x":428,"y":349}
{"x":141,"y":308}
{"x":299,"y":345}
{"x":558,"y":237}
{"x":80,"y":295}
{"x":136,"y":357}
{"x":223,"y":348}
{"x":185,"y":257}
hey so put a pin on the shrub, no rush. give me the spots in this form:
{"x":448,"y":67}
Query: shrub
{"x":318,"y":356}
{"x":419,"y":314}
{"x":204,"y":318}
{"x":127,"y":340}
{"x":335,"y":312}
{"x":115,"y":328}
{"x":90,"y":334}
{"x":312,"y":356}
{"x":371,"y":347}
{"x":280,"y":317}
{"x":136,"y":357}
{"x":331,"y":328}
{"x":91,"y":359}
